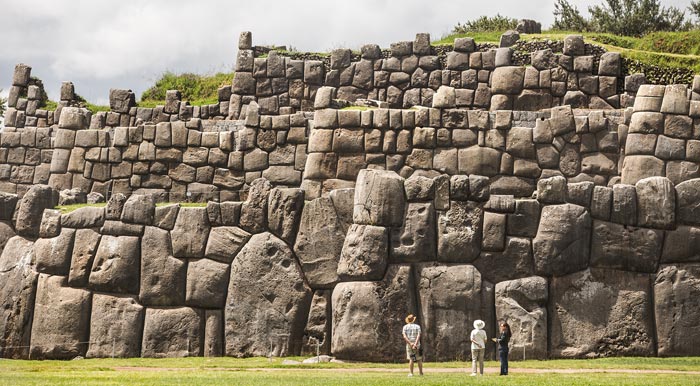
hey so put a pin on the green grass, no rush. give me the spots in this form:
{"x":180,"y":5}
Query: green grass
{"x":50,"y":105}
{"x":197,"y":89}
{"x":96,"y":108}
{"x":232,"y":371}
{"x":360,"y":108}
{"x":72,"y":207}
{"x":184,"y":204}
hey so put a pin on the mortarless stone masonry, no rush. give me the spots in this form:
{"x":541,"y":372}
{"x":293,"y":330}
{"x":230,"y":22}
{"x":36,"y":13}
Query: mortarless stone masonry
{"x":477,"y":189}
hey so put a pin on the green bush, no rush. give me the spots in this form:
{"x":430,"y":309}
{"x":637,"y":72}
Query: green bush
{"x":486,"y":24}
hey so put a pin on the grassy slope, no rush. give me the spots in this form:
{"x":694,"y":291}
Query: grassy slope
{"x":231,"y":371}
{"x":671,"y":49}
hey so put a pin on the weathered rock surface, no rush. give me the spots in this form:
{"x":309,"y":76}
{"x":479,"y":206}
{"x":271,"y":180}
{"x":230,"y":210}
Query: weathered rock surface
{"x":17,"y":295}
{"x":317,"y":334}
{"x":225,"y":242}
{"x":31,"y":207}
{"x":364,"y":313}
{"x":190,"y":233}
{"x":600,"y":312}
{"x":206,"y":283}
{"x":379,"y":198}
{"x":283,"y":212}
{"x":116,"y":265}
{"x":562,"y":242}
{"x":513,"y":262}
{"x":459,"y":232}
{"x":656,"y":203}
{"x":84,"y":248}
{"x":365,"y":253}
{"x":116,"y":325}
{"x":322,"y":231}
{"x":172,"y":332}
{"x":254,"y":209}
{"x":523,"y":304}
{"x":415,"y":240}
{"x":61,"y":324}
{"x":677,"y":309}
{"x":53,"y":255}
{"x":630,"y":248}
{"x":162,"y":276}
{"x":451,"y":298}
{"x":267,"y":300}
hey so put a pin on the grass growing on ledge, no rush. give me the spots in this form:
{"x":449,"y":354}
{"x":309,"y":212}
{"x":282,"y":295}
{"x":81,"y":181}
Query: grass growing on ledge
{"x":197,"y":89}
{"x":360,"y":108}
{"x":184,"y":204}
{"x":69,"y":208}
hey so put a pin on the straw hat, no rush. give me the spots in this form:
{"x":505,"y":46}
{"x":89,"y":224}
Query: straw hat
{"x":479,"y":324}
{"x":410,"y":318}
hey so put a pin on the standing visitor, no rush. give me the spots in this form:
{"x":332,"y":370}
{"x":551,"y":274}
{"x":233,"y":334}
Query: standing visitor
{"x":414,"y":352}
{"x":478,"y":338}
{"x":502,"y":340}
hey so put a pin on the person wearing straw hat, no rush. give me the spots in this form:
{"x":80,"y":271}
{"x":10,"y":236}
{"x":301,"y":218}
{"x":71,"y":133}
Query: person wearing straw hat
{"x":414,"y":352}
{"x":478,"y":338}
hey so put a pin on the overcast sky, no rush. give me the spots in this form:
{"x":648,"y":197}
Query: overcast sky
{"x":106,"y":44}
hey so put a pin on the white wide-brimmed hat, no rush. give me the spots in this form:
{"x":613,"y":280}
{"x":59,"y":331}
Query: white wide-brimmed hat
{"x":479,"y":324}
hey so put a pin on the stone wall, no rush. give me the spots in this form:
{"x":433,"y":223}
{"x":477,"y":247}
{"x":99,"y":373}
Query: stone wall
{"x":326,"y":228}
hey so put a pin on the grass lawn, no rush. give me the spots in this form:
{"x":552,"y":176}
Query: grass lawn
{"x":231,"y":371}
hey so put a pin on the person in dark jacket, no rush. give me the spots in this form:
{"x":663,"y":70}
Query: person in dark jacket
{"x":502,"y":340}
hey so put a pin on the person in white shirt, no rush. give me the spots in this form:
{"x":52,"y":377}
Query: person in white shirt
{"x":478,"y":338}
{"x":414,"y":353}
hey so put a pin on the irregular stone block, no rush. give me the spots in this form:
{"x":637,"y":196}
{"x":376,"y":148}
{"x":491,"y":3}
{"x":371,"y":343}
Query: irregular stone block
{"x":172,"y":332}
{"x":284,"y":211}
{"x":624,"y":204}
{"x":523,"y":221}
{"x":322,"y":229}
{"x":53,"y":255}
{"x":84,"y":248}
{"x":562,"y":242}
{"x":86,"y":217}
{"x":162,"y":275}
{"x":266,"y":297}
{"x":317,"y":334}
{"x":623,"y":247}
{"x":523,"y":303}
{"x":656,"y":203}
{"x":552,"y":190}
{"x":116,"y":325}
{"x":116,"y":265}
{"x":415,"y":240}
{"x":206,"y":283}
{"x":451,"y":298}
{"x":681,"y":245}
{"x":225,"y":242}
{"x":494,"y":231}
{"x":254,"y":210}
{"x":139,"y":209}
{"x":379,"y":198}
{"x":360,"y":309}
{"x":61,"y":324}
{"x":688,"y":197}
{"x":508,"y":80}
{"x":31,"y":207}
{"x":190,"y":233}
{"x":517,"y":256}
{"x":478,"y":160}
{"x":17,"y":295}
{"x":600,"y":312}
{"x":676,"y":303}
{"x":459,"y":232}
{"x":365,"y":253}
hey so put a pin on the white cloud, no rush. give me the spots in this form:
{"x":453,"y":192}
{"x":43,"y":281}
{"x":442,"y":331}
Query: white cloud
{"x":129,"y":43}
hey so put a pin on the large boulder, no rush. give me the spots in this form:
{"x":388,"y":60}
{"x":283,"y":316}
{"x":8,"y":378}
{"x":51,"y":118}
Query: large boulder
{"x":283,"y":212}
{"x":116,"y":326}
{"x":601,"y":312}
{"x":688,"y":198}
{"x":17,"y":295}
{"x":172,"y":332}
{"x":523,"y":304}
{"x":267,"y":301}
{"x":681,"y":245}
{"x":139,"y":209}
{"x":116,"y":265}
{"x":623,"y":247}
{"x":379,"y":198}
{"x":319,"y":242}
{"x":451,"y":298}
{"x":31,"y":208}
{"x":508,"y":80}
{"x":415,"y":240}
{"x":162,"y":275}
{"x":317,"y":334}
{"x":365,"y":253}
{"x":677,"y":310}
{"x":190,"y":233}
{"x":61,"y":324}
{"x":562,"y":242}
{"x":459,"y":231}
{"x":368,"y":316}
{"x":206,"y":283}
